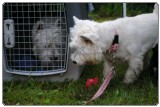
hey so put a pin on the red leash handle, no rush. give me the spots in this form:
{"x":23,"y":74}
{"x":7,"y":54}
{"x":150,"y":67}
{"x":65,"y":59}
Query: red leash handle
{"x":103,"y":86}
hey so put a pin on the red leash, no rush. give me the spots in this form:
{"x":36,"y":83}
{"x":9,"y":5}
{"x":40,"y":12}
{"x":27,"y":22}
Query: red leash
{"x":103,"y":86}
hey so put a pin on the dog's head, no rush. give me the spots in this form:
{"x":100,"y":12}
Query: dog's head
{"x":85,"y":42}
{"x":47,"y":41}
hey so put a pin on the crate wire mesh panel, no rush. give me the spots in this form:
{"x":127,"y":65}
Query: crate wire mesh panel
{"x":39,"y":42}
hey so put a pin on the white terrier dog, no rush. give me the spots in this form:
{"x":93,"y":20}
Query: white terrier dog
{"x":136,"y":35}
{"x":47,"y":40}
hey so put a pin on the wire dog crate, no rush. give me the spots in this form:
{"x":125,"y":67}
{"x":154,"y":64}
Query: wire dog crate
{"x":35,"y":40}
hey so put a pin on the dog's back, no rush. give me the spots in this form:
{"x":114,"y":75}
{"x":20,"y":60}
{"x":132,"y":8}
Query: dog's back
{"x":141,"y":29}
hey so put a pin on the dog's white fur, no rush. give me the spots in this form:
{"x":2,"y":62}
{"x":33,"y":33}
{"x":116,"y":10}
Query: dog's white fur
{"x":137,"y":35}
{"x":47,"y":39}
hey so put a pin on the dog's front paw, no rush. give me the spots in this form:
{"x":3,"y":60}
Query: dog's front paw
{"x":128,"y":81}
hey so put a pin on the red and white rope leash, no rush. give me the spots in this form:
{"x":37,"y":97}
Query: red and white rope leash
{"x":103,"y":86}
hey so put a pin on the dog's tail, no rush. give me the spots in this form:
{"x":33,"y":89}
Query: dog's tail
{"x":156,"y":8}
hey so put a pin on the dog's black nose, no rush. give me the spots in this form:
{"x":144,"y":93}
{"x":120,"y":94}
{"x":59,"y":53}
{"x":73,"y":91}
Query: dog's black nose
{"x":55,"y":58}
{"x":74,"y":62}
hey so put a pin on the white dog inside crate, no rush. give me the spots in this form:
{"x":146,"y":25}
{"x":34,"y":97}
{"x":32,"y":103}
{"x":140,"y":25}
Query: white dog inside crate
{"x":47,"y":41}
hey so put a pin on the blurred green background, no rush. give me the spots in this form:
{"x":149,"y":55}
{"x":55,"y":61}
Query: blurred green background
{"x":115,"y":10}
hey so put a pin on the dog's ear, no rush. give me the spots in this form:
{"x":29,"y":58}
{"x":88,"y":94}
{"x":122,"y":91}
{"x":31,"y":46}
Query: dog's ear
{"x":56,"y":22}
{"x":75,"y":19}
{"x":86,"y":40}
{"x":40,"y":27}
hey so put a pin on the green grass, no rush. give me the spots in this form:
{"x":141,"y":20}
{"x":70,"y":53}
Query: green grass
{"x":144,"y":91}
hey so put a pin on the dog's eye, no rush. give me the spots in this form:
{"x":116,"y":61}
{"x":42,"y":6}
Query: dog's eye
{"x":58,"y":45}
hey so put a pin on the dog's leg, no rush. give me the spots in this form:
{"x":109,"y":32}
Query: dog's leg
{"x":135,"y":67}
